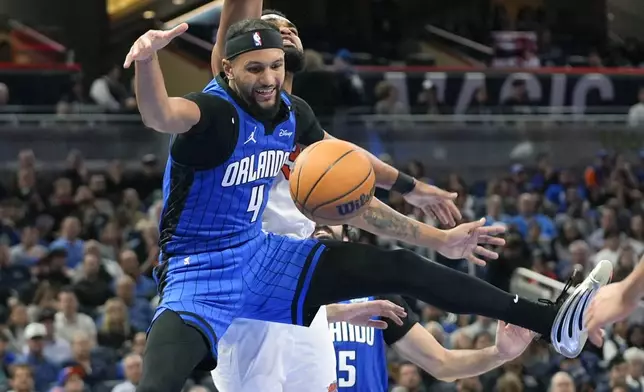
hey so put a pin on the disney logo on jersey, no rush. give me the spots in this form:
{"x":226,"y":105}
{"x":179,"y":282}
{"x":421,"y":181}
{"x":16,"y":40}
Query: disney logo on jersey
{"x":290,"y":161}
{"x":284,"y":133}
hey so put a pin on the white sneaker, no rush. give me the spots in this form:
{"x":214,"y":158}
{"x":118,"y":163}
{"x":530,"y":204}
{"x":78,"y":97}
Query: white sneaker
{"x":569,"y":334}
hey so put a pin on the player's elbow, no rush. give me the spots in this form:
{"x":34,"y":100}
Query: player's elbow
{"x":438,"y":365}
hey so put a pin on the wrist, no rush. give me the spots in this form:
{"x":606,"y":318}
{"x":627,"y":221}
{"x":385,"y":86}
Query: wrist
{"x":147,"y":60}
{"x":632,"y":290}
{"x":334,"y":312}
{"x":498,"y":355}
{"x":404,"y":183}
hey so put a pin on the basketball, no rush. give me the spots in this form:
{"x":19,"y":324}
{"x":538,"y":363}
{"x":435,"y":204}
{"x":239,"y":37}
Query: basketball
{"x":332,"y":181}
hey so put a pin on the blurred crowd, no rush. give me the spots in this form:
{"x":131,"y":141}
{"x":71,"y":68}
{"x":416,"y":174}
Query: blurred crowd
{"x":77,"y":247}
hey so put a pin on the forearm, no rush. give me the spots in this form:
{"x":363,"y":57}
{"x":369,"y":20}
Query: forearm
{"x":459,"y":364}
{"x":232,"y":12}
{"x":635,"y":283}
{"x":380,"y":219}
{"x":151,"y":95}
{"x":333,"y":313}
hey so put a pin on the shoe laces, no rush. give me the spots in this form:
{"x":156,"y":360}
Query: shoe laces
{"x":564,"y":294}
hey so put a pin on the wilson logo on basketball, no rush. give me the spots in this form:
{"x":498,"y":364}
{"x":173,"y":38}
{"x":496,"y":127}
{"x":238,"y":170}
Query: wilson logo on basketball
{"x":290,"y":162}
{"x":354,"y":205}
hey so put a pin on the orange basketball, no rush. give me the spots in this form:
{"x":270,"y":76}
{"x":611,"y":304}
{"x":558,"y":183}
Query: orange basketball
{"x":332,"y":181}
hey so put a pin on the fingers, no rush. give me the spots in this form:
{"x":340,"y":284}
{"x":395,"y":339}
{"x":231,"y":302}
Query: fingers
{"x":493,"y":230}
{"x":443,"y":194}
{"x":596,"y":337}
{"x":378,"y":324}
{"x":175,"y":32}
{"x":489,"y":240}
{"x":483,"y":252}
{"x":128,"y":60}
{"x":441,"y":214}
{"x":475,"y":260}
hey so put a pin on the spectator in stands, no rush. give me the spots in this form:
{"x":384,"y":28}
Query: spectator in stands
{"x":13,"y":276}
{"x":55,"y":349}
{"x":22,"y":379}
{"x":74,"y":101}
{"x":518,"y":102}
{"x":139,"y":310}
{"x":408,"y":379}
{"x":318,"y":86}
{"x":114,"y":325}
{"x":147,"y":180}
{"x":70,"y":379}
{"x":636,"y":112}
{"x":145,"y":287}
{"x":68,"y":240}
{"x":595,"y":59}
{"x":635,"y":358}
{"x":133,"y":366}
{"x":550,"y":53}
{"x":509,"y":382}
{"x":109,"y":93}
{"x":428,"y":100}
{"x":45,"y":372}
{"x":4,"y":94}
{"x":95,"y":365}
{"x":68,"y":321}
{"x":617,"y":376}
{"x":93,"y":286}
{"x":481,"y":104}
{"x":562,"y":382}
{"x":527,"y":214}
{"x":387,"y":100}
{"x":611,"y":248}
{"x":29,"y":250}
{"x":351,"y":85}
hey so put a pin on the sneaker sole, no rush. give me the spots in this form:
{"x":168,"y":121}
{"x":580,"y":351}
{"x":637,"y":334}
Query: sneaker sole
{"x":569,"y":334}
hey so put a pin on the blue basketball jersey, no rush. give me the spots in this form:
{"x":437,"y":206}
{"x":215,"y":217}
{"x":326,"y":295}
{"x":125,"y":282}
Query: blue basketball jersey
{"x":222,"y":207}
{"x":361,"y":357}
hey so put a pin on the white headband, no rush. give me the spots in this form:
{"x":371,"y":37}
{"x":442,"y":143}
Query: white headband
{"x":278,"y":17}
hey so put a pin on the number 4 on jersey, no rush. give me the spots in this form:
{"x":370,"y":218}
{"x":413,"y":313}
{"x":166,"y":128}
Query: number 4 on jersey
{"x":256,"y":201}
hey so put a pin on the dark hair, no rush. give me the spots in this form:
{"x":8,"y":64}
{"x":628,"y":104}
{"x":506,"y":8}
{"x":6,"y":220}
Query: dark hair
{"x":273,"y":12}
{"x":248,"y":25}
{"x":616,"y":361}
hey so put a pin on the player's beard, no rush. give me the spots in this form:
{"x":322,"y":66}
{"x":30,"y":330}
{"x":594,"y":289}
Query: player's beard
{"x":263,"y":113}
{"x":294,"y":59}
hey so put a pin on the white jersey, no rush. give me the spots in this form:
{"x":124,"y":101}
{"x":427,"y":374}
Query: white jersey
{"x":271,"y":357}
{"x":281,"y":216}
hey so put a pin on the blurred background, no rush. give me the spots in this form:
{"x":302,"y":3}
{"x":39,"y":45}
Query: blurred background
{"x":532,"y":110}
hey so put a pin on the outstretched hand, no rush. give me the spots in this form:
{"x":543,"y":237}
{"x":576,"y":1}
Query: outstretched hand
{"x":465,"y":242}
{"x":152,"y":41}
{"x":435,"y":202}
{"x":611,"y":304}
{"x":512,"y":341}
{"x":363,"y":313}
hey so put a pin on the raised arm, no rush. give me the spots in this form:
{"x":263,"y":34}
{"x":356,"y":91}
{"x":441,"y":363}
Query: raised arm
{"x":232,"y":12}
{"x":158,"y":111}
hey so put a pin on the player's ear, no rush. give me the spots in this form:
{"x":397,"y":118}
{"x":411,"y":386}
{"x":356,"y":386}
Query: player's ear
{"x":227,"y":66}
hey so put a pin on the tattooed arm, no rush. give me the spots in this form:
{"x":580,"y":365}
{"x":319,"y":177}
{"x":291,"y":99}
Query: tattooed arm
{"x":380,"y":219}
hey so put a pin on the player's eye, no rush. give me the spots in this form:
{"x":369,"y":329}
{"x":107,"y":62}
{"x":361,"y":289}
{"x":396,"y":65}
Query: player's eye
{"x":277,"y":65}
{"x":254,"y":69}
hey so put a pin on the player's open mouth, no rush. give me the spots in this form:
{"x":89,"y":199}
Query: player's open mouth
{"x":288,"y":42}
{"x":264,"y":94}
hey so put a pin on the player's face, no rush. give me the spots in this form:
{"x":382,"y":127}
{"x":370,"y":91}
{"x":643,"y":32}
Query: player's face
{"x":293,"y":48}
{"x":257,"y":77}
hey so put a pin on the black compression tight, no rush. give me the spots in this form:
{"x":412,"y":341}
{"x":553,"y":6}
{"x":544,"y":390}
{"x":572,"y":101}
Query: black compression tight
{"x":348,"y":270}
{"x":173,"y":350}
